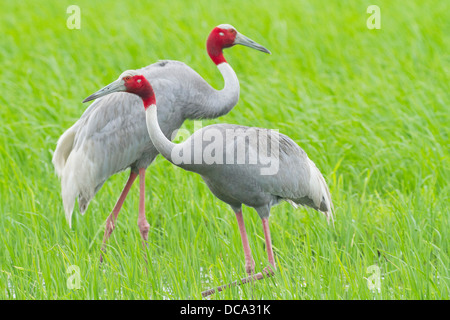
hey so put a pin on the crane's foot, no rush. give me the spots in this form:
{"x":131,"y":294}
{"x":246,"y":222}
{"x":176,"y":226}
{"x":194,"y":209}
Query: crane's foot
{"x":144,"y":227}
{"x":109,"y":228}
{"x":269,"y":270}
{"x":266,"y":273}
{"x":250,"y":266}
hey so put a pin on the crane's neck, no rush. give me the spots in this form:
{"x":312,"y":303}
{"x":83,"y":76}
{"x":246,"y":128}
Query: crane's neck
{"x":215,"y":49}
{"x":205,"y":102}
{"x":159,"y":140}
{"x":149,"y":100}
{"x":145,"y":92}
{"x":222,"y":101}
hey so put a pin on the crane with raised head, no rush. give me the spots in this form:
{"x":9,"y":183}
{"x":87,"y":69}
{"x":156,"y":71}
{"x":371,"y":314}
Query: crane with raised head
{"x":111,"y":135}
{"x":240,"y":165}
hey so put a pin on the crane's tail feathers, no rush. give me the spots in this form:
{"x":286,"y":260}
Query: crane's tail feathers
{"x":83,"y":204}
{"x":77,"y":182}
{"x":322,"y":196}
{"x":319,"y":196}
{"x":328,"y":213}
{"x":63,"y":149}
{"x":69,"y":194}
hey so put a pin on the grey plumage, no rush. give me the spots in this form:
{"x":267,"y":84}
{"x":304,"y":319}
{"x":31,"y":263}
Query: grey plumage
{"x":111,"y":135}
{"x":241,"y":165}
{"x":232,"y":160}
{"x":236,"y":175}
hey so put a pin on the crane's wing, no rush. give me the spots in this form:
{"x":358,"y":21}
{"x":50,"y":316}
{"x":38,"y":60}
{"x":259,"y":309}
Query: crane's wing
{"x":283,"y":169}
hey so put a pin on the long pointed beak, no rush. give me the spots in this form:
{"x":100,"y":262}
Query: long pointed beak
{"x":245,"y":41}
{"x":115,"y":86}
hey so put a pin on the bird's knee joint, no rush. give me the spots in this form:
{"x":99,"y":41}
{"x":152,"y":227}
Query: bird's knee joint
{"x":144,"y":226}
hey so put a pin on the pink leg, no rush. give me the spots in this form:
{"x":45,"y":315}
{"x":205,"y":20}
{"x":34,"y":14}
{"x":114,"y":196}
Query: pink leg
{"x":265,"y":222}
{"x":249,"y":262}
{"x":144,"y":227}
{"x":110,"y":222}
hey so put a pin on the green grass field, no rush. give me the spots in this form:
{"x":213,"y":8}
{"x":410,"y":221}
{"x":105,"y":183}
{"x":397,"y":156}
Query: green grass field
{"x":370,"y":107}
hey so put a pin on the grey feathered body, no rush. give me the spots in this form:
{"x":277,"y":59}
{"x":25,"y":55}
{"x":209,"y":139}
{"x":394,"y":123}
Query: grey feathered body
{"x":112,"y":136}
{"x":253,"y":166}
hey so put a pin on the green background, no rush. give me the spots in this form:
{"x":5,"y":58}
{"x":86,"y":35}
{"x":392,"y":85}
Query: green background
{"x":370,"y":107}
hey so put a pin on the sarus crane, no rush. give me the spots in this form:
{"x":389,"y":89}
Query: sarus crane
{"x":233,"y":176}
{"x":111,"y":135}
